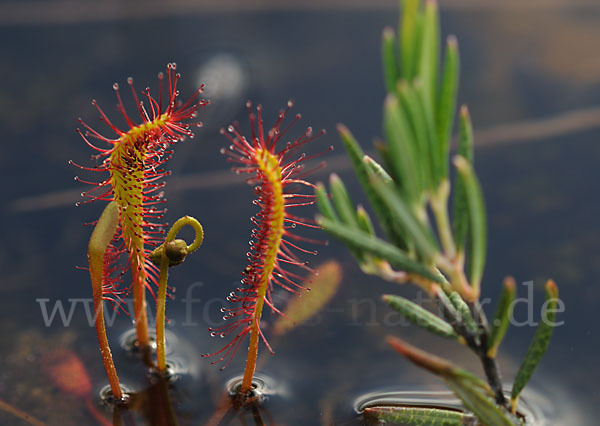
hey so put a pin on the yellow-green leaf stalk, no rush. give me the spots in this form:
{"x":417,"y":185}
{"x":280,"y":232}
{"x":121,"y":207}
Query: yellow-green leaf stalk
{"x":172,"y":252}
{"x":99,"y":259}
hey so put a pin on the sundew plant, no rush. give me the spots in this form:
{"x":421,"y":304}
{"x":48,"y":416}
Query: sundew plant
{"x":436,"y":236}
{"x":134,"y":162}
{"x":128,"y":236}
{"x":276,"y":170}
{"x":129,"y":229}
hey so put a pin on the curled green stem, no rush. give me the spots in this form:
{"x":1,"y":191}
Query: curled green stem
{"x":172,"y":252}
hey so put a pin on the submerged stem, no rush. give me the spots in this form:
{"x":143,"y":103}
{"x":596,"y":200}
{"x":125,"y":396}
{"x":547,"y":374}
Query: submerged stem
{"x":99,"y":241}
{"x":172,"y":252}
{"x":257,"y":416}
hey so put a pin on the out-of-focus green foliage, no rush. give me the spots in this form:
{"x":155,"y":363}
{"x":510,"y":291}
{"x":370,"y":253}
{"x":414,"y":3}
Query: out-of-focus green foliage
{"x":435,"y":232}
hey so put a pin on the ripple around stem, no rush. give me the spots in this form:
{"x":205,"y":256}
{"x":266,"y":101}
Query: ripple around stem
{"x":107,"y":398}
{"x":177,"y":368}
{"x":128,"y":341}
{"x":263,"y":387}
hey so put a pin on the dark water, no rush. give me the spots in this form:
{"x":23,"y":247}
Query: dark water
{"x":541,"y":197}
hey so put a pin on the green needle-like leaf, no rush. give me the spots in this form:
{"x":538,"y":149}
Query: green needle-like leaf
{"x":377,"y":169}
{"x":418,"y":416}
{"x":409,"y":100}
{"x":539,"y":344}
{"x":390,"y":63}
{"x":430,"y":52}
{"x":360,"y":240}
{"x":486,"y":410}
{"x":465,"y":141}
{"x":420,"y":316}
{"x":402,"y":148}
{"x":499,"y":324}
{"x":325,"y":206}
{"x":409,"y":38}
{"x":364,"y":220}
{"x":386,"y":158}
{"x":427,"y":113}
{"x":342,"y":202}
{"x":461,"y":209}
{"x":424,"y":241}
{"x":364,"y":169}
{"x":344,"y":206}
{"x":477,"y":221}
{"x":446,"y":104}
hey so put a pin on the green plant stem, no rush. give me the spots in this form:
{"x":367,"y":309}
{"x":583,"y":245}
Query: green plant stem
{"x":478,"y":342}
{"x":490,"y":366}
{"x":456,"y":277}
{"x":449,"y":262}
{"x":162,"y":283}
{"x":452,"y":316}
{"x":160,"y":315}
{"x":492,"y":373}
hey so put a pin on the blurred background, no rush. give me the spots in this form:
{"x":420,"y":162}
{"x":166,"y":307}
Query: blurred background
{"x":530,"y":75}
